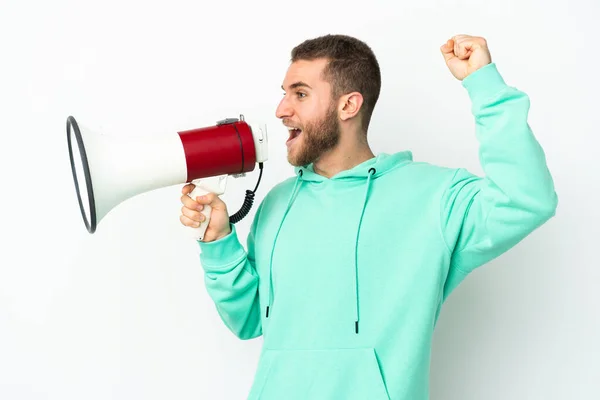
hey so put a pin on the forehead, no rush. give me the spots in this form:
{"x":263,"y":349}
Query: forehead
{"x":306,"y":72}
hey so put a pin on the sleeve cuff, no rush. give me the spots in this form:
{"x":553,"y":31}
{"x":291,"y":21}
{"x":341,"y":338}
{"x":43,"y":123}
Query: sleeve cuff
{"x":221,"y":252}
{"x":484,"y":84}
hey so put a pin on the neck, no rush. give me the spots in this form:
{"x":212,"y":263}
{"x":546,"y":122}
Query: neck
{"x":346,"y":155}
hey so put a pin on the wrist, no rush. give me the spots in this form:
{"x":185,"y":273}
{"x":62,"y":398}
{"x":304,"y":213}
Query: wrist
{"x":484,"y":84}
{"x":216,"y":236}
{"x":224,"y":234}
{"x":221,"y":251}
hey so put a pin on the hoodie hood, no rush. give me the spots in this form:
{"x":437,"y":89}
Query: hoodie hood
{"x":366,"y":171}
{"x":382,"y":164}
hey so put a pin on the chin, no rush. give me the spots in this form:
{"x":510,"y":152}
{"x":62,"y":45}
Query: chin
{"x":292,"y":156}
{"x":293,"y":161}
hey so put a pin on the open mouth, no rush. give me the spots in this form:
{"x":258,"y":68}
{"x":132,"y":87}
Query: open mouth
{"x":294,"y":133}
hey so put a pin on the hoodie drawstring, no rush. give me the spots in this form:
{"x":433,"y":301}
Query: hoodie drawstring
{"x":362,"y":213}
{"x":372,"y":171}
{"x":290,"y":201}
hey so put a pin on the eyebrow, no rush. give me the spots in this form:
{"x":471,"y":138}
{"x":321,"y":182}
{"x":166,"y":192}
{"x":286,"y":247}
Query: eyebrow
{"x":297,"y":85}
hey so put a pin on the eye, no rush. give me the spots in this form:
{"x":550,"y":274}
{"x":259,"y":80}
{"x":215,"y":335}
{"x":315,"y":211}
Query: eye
{"x":299,"y":94}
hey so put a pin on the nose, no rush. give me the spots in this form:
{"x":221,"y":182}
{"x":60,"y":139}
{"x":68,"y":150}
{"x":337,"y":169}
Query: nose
{"x":283,"y":109}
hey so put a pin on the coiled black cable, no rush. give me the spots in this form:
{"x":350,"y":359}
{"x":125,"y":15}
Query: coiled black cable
{"x":248,"y":201}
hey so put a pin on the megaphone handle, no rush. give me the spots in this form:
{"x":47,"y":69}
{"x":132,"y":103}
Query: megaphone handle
{"x":199,"y":232}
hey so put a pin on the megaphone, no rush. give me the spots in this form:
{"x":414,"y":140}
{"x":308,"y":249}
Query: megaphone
{"x":108,"y":170}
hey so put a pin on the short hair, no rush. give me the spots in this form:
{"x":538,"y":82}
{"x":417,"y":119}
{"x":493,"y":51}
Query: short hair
{"x":352,"y":67}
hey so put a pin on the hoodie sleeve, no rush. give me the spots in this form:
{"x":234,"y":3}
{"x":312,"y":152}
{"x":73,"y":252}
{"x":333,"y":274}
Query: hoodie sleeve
{"x":482,"y":217}
{"x":232,"y":282}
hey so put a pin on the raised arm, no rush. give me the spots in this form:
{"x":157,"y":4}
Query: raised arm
{"x":483,"y":217}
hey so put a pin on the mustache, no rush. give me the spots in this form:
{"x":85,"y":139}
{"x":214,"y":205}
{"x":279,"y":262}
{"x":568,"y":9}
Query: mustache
{"x":288,"y":122}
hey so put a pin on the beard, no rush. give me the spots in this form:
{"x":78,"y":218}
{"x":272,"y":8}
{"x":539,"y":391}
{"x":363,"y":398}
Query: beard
{"x":317,"y":138}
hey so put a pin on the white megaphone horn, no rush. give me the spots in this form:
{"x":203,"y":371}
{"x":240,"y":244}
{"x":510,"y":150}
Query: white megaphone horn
{"x":108,"y":170}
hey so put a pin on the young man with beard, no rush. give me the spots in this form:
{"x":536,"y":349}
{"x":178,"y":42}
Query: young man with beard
{"x":348,"y":262}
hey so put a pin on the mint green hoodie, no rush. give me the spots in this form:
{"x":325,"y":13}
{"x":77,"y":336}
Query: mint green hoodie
{"x":345,"y":277}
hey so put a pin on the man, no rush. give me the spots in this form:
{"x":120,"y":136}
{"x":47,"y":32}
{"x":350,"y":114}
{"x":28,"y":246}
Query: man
{"x":348,"y":263}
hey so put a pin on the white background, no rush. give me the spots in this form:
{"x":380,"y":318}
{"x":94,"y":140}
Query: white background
{"x":123,"y":314}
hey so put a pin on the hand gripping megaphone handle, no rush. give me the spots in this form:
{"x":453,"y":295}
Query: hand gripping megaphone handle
{"x":199,"y":232}
{"x":204,"y":186}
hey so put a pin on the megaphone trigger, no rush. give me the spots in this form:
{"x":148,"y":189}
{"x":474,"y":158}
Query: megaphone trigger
{"x":204,"y":186}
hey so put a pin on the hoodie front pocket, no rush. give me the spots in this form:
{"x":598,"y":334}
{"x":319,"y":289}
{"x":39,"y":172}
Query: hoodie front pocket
{"x":329,"y":374}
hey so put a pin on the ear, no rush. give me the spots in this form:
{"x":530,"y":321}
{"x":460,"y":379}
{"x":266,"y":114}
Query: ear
{"x":350,"y":105}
